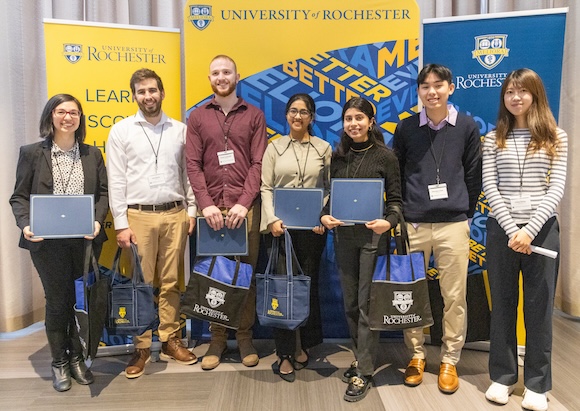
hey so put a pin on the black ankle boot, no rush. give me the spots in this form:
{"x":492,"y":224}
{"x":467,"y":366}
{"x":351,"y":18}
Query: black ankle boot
{"x":78,"y":368}
{"x":79,"y":371}
{"x":58,"y":343}
{"x":61,"y":376}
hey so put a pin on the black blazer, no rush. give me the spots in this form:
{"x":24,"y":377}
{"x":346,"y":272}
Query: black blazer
{"x":34,"y":176}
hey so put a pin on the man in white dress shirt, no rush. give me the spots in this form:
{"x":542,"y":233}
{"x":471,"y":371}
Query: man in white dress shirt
{"x":153,"y":206}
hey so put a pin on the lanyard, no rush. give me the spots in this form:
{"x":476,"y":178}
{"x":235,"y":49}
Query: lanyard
{"x":226,"y":133}
{"x":521,"y":166}
{"x":155,"y":153}
{"x":74,"y":163}
{"x":301,"y":173}
{"x":432,"y":150}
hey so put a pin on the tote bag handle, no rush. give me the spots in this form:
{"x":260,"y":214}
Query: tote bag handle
{"x":137,"y":276}
{"x":402,"y":244}
{"x":291,"y":258}
{"x":89,"y":259}
{"x":236,"y":272}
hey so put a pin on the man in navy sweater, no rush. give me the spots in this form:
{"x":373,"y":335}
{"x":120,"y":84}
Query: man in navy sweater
{"x":439,"y":153}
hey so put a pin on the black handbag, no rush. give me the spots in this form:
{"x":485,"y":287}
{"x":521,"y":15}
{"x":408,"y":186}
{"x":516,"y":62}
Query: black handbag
{"x":91,"y":291}
{"x":399,"y":291}
{"x":283,"y":300}
{"x":217,"y":290}
{"x":131,"y":302}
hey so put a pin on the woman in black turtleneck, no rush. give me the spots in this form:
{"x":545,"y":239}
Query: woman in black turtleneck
{"x":361,"y":153}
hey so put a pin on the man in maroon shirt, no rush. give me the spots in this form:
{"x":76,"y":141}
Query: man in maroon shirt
{"x":226,"y":139}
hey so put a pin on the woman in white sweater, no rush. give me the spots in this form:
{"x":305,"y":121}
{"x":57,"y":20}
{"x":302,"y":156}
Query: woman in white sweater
{"x":524,"y":172}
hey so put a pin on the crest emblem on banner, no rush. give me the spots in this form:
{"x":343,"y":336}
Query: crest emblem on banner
{"x":215,"y":297}
{"x":200,"y":16}
{"x":73,"y":52}
{"x":490,"y":49}
{"x":402,"y":300}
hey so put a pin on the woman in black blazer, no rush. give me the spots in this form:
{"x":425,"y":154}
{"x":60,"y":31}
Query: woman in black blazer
{"x":61,"y":164}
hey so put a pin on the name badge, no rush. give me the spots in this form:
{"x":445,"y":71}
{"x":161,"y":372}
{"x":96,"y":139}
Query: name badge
{"x":521,"y":203}
{"x":156,"y":180}
{"x":438,"y":191}
{"x":226,"y":157}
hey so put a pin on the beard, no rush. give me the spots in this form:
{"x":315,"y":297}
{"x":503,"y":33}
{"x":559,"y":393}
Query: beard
{"x":224,"y":93}
{"x":150,"y":111}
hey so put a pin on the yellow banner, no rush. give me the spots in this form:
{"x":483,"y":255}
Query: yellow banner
{"x":94,"y":63}
{"x":331,"y":49}
{"x":260,"y":34}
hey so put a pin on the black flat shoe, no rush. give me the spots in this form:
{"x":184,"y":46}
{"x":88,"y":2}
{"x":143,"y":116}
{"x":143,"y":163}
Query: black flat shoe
{"x":291,"y":376}
{"x":298,"y":365}
{"x":358,"y":387}
{"x":351,"y":372}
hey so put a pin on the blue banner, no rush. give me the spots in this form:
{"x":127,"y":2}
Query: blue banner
{"x":481,"y":51}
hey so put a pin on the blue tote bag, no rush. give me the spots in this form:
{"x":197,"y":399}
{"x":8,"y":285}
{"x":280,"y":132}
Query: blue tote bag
{"x":131,"y":301}
{"x":399,"y":291}
{"x":283,"y":299}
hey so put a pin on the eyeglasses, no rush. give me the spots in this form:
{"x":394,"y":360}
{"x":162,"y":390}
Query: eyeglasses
{"x":303,"y":113}
{"x":62,"y":113}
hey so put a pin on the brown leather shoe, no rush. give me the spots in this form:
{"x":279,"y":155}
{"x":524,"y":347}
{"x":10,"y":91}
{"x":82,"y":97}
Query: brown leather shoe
{"x":448,"y":381}
{"x":172,"y":349}
{"x":136,"y":365}
{"x":248,"y":353}
{"x":414,"y":372}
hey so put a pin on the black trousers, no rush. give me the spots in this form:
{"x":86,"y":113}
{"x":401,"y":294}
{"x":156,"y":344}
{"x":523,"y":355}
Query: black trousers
{"x":59,"y":263}
{"x":356,"y":255}
{"x":308,"y":247}
{"x":539,"y":274}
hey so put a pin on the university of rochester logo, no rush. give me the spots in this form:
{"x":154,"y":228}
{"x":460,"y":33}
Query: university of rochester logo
{"x":122,"y":314}
{"x":73,"y":52}
{"x":215,"y":297}
{"x":273,"y":311}
{"x":490,"y":49}
{"x":200,"y":16}
{"x":402,"y":300}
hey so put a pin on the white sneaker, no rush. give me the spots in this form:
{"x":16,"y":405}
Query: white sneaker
{"x":535,"y":401}
{"x":499,"y":393}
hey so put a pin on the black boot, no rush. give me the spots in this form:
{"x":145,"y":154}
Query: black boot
{"x":78,"y":368}
{"x":79,"y":371}
{"x":58,"y":342}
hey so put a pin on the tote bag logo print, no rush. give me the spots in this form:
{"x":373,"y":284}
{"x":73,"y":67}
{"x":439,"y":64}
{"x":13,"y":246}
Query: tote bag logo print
{"x":215,"y":297}
{"x":122,"y":315}
{"x":402,"y":300}
{"x":274,"y":311}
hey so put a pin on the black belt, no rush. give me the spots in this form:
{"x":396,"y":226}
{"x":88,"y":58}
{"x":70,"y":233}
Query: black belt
{"x":155,"y":207}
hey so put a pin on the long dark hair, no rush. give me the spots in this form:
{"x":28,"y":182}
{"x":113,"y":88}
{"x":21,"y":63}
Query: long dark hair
{"x":309,"y":101}
{"x":46,"y":122}
{"x":375,"y":135}
{"x":541,"y":121}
